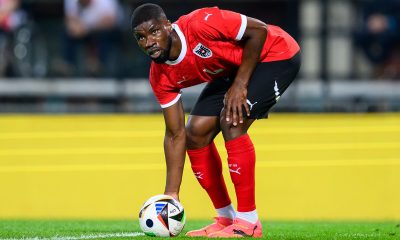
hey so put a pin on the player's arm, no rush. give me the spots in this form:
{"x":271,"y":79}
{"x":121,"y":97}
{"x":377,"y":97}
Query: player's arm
{"x":253,"y":38}
{"x":174,"y":147}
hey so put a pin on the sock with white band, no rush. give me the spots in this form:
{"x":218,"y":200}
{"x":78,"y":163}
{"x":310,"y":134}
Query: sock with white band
{"x":251,"y":216}
{"x":227,"y":212}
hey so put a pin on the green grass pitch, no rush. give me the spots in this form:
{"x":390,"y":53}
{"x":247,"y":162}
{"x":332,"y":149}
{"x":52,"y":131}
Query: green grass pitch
{"x":126,"y":229}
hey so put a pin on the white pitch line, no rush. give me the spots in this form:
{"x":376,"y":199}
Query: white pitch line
{"x":90,"y":236}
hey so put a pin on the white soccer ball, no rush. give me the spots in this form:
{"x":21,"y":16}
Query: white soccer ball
{"x":162,"y":216}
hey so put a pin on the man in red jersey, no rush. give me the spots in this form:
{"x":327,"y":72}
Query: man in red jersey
{"x":247,"y":65}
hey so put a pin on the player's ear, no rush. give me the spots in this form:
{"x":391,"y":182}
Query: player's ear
{"x":169,"y":26}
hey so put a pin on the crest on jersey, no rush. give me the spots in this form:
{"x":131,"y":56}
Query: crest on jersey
{"x":202,"y":51}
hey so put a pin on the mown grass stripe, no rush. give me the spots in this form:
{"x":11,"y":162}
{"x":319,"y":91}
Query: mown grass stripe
{"x":90,"y":236}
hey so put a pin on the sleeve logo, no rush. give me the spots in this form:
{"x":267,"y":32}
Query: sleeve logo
{"x":207,"y":15}
{"x":202,"y":51}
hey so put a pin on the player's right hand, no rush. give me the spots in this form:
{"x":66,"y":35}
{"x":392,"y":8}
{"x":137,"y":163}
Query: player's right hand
{"x":234,"y":102}
{"x":173,"y":194}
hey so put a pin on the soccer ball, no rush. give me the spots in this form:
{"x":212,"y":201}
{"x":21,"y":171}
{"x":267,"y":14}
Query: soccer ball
{"x":162,"y":216}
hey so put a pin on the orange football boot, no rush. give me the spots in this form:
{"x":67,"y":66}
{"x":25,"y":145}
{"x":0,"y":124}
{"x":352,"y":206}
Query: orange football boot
{"x":239,"y":228}
{"x":219,"y":224}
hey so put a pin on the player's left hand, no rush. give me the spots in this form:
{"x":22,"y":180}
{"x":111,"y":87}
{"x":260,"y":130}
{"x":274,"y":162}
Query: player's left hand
{"x":234,"y":101}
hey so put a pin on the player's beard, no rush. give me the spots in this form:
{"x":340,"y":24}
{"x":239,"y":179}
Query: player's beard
{"x":164,"y":53}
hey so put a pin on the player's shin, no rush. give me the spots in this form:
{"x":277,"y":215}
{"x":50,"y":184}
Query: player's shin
{"x":241,"y":160}
{"x":207,"y":167}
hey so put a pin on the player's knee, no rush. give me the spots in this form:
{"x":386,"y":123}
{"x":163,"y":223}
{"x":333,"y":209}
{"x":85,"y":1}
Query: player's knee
{"x":224,"y":125}
{"x":229,"y":131}
{"x":192,"y":137}
{"x":195,"y":138}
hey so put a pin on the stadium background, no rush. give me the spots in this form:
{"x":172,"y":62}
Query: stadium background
{"x":74,"y":145}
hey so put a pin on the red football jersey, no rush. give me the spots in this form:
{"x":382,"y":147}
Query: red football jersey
{"x":211,"y":49}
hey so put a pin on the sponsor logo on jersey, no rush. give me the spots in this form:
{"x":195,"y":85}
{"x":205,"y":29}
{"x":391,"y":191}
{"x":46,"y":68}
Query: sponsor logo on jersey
{"x":202,"y":51}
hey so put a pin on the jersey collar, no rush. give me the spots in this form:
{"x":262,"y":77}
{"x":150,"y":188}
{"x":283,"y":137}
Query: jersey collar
{"x":184,"y":46}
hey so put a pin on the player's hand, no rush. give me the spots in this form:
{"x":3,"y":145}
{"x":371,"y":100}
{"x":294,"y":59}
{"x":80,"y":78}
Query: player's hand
{"x":234,"y":101}
{"x":173,"y":194}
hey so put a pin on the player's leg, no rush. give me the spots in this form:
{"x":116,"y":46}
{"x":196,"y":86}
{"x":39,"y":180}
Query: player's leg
{"x":206,"y":162}
{"x":268,"y":83}
{"x":201,"y":129}
{"x":241,"y":163}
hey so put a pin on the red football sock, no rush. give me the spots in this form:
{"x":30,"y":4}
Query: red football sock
{"x":241,"y":161}
{"x":207,"y":167}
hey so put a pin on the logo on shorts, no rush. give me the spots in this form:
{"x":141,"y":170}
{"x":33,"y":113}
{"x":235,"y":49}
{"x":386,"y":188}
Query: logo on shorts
{"x":202,"y":51}
{"x":276,"y":89}
{"x":250,"y":104}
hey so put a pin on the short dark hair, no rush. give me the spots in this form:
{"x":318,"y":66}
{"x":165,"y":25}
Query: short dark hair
{"x":146,"y":12}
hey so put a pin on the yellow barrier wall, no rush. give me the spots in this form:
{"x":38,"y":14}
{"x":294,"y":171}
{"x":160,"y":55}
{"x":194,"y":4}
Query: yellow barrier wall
{"x":308,"y":167}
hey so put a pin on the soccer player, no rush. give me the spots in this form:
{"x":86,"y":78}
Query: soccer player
{"x":247,"y":65}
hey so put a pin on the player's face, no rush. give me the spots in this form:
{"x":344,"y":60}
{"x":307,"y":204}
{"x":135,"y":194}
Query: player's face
{"x":154,"y":38}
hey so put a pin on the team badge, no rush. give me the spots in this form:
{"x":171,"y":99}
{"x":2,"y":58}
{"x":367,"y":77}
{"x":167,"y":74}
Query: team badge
{"x":202,"y":51}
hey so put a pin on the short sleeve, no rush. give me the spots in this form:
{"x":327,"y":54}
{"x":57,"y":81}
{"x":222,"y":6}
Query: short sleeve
{"x":215,"y":23}
{"x":166,"y":94}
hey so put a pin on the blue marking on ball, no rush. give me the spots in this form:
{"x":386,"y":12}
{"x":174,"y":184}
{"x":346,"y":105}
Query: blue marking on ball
{"x":149,"y":223}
